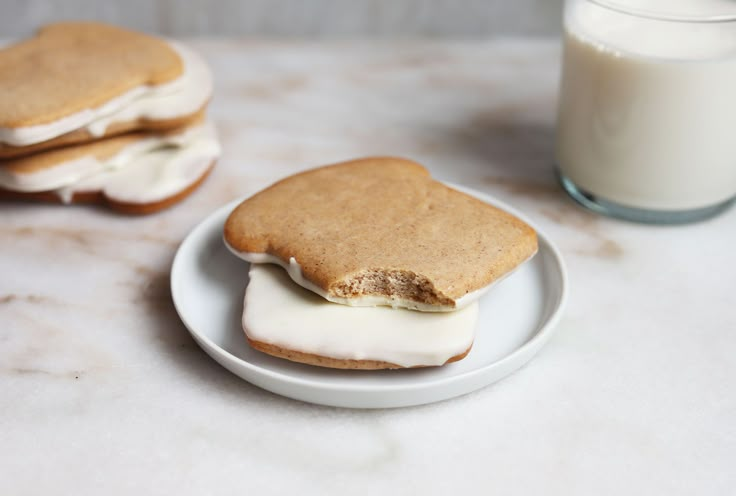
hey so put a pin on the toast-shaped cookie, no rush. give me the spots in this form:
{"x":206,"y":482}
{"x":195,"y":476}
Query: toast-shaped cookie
{"x":73,"y":66}
{"x":114,"y":81}
{"x":380,"y":231}
{"x":287,"y":321}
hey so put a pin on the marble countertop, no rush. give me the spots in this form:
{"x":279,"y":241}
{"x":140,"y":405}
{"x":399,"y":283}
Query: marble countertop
{"x":104,"y":391}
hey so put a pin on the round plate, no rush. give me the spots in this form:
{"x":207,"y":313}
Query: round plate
{"x":516,"y":319}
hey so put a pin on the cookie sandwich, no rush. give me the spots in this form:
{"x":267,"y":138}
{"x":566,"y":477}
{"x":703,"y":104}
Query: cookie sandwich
{"x":78,"y":81}
{"x":376,"y":253}
{"x":78,"y":96}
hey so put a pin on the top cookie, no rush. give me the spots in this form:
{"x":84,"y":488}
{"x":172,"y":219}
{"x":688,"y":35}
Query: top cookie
{"x":380,"y":231}
{"x":72,"y":66}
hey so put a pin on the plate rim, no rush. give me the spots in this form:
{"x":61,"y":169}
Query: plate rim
{"x":538,"y":339}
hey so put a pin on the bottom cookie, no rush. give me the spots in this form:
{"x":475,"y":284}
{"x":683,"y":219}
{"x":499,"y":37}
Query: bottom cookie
{"x":100,"y":198}
{"x":285,"y":320}
{"x":136,"y":173}
{"x":335,"y":363}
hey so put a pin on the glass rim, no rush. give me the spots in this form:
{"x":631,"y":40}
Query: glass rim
{"x":663,"y":16}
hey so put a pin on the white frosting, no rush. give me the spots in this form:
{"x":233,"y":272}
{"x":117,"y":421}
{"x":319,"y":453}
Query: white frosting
{"x":181,"y":97}
{"x":73,"y":171}
{"x":49,"y":178}
{"x":156,"y":174}
{"x":295,"y":272}
{"x":280,"y":313}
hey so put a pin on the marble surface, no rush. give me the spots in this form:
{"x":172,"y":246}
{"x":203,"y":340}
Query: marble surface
{"x":103,"y":390}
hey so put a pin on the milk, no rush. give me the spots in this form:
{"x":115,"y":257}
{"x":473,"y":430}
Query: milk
{"x":647,"y":112}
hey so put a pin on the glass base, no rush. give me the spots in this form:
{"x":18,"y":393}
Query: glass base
{"x":611,"y":209}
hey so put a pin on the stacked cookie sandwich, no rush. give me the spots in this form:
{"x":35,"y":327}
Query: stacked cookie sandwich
{"x":383,"y":265}
{"x":95,"y":113}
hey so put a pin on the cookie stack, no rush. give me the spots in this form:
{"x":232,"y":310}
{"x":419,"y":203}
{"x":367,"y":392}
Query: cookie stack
{"x":95,"y":113}
{"x":384,"y":265}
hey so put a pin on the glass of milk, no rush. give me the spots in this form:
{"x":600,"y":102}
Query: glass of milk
{"x":646,"y":125}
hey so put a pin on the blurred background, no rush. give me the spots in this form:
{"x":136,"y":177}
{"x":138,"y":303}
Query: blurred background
{"x":297,"y":18}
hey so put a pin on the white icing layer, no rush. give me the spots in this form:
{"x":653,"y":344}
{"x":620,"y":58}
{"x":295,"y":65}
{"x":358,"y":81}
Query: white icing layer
{"x":295,"y":272}
{"x":71,"y":172}
{"x":181,"y":97}
{"x":280,"y":313}
{"x":50,"y":178}
{"x":156,"y":174}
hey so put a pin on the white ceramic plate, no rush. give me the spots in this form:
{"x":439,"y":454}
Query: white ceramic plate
{"x":516,"y":319}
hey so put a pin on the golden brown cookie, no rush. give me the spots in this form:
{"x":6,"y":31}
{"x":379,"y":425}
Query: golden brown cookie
{"x":72,"y":66}
{"x":380,"y":231}
{"x":100,"y":198}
